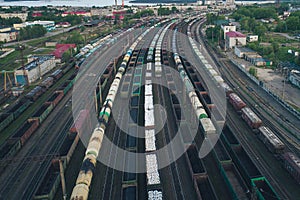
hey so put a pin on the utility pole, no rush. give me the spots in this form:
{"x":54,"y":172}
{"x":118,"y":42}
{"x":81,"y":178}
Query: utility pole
{"x":62,"y":178}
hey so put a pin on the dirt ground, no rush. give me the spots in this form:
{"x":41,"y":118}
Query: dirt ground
{"x":274,"y":81}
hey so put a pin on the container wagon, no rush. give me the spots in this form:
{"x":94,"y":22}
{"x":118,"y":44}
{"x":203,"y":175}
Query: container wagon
{"x":273,"y":143}
{"x":236,"y":101}
{"x":26,"y":130}
{"x":292,"y":164}
{"x":251,"y":118}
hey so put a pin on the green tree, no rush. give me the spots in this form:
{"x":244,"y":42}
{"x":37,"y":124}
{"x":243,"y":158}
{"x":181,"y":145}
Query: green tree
{"x":293,"y":23}
{"x":30,"y":32}
{"x":66,"y":56}
{"x":75,"y":38}
{"x":260,"y":30}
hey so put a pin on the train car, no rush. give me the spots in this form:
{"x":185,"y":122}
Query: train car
{"x":226,"y":88}
{"x":236,"y":101}
{"x":35,"y":93}
{"x":48,"y":82}
{"x":273,"y":143}
{"x":57,"y":74}
{"x":292,"y":164}
{"x":251,"y":118}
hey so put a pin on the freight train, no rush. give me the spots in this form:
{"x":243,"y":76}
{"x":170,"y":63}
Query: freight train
{"x":83,"y":182}
{"x":269,"y":138}
{"x":206,"y":123}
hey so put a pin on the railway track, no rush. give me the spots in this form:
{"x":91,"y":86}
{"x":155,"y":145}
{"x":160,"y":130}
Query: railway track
{"x":112,"y":176}
{"x":259,"y":160}
{"x":285,"y":129}
{"x":268,"y":119}
{"x":256,"y":158}
{"x":26,"y":176}
{"x":167,"y":131}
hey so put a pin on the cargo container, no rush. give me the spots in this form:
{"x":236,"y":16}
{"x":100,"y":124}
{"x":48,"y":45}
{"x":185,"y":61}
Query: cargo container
{"x":42,"y":113}
{"x":195,"y":163}
{"x":272,"y":142}
{"x":245,"y":165}
{"x":155,"y":194}
{"x":236,"y":101}
{"x":50,"y":183}
{"x":234,"y":181}
{"x":263,"y":189}
{"x":221,"y":153}
{"x":229,"y":137}
{"x":129,"y":193}
{"x":35,"y":93}
{"x":26,"y":130}
{"x":292,"y":164}
{"x":251,"y":118}
{"x":204,"y":188}
{"x":20,"y":107}
{"x":55,"y":98}
{"x":5,"y":120}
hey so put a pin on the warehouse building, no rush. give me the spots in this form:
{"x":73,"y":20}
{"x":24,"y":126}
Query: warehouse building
{"x":241,"y":52}
{"x":35,"y":69}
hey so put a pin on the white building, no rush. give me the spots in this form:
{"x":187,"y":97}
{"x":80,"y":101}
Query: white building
{"x":35,"y":69}
{"x":230,"y":2}
{"x":252,"y":38}
{"x":22,"y":16}
{"x":228,"y":28}
{"x":49,"y":25}
{"x":234,"y":38}
{"x":8,"y":34}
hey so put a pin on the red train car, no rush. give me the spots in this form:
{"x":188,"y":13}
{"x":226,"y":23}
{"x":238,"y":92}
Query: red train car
{"x":251,"y":118}
{"x":236,"y":101}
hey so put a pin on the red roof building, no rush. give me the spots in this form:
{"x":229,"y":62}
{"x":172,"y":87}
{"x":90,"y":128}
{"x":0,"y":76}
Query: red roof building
{"x":234,"y":38}
{"x":62,"y":48}
{"x":82,"y":13}
{"x":37,"y":14}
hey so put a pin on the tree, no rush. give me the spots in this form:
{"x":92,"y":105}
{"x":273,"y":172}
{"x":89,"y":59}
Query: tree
{"x":260,"y":30}
{"x":30,"y":32}
{"x":174,"y":10}
{"x":293,"y":23}
{"x":66,"y":56}
{"x":253,"y":71}
{"x":75,"y":38}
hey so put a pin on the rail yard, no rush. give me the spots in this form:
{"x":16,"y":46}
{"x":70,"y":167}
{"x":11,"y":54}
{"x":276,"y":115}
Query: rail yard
{"x":150,"y":112}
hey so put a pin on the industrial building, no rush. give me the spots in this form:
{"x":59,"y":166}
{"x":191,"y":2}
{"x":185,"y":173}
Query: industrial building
{"x":234,"y":38}
{"x":242,"y":51}
{"x":35,"y":69}
{"x":8,"y":34}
